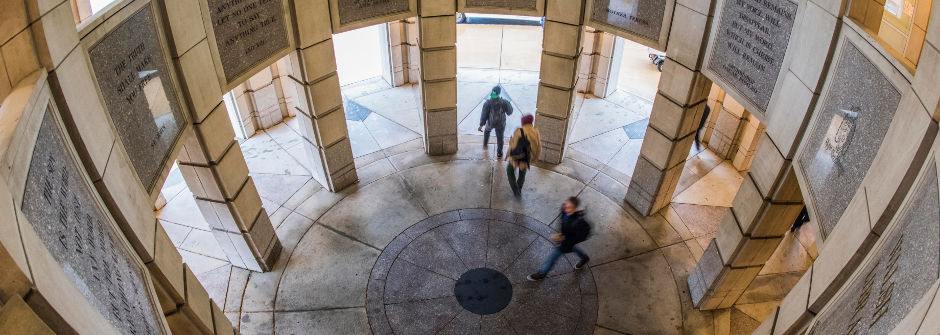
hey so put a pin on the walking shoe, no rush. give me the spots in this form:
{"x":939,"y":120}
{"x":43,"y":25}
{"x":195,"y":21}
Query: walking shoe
{"x":499,"y":155}
{"x":535,"y":277}
{"x":581,"y":264}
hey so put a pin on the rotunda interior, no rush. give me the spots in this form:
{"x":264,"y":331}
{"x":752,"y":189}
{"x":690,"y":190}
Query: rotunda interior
{"x":469,"y":167}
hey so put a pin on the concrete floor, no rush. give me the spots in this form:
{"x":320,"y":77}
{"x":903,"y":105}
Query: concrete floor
{"x":335,"y":242}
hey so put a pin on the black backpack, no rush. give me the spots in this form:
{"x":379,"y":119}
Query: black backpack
{"x":520,"y":152}
{"x":583,"y":230}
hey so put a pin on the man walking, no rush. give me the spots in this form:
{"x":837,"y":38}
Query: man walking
{"x":574,"y":230}
{"x":524,"y":149}
{"x":494,"y":117}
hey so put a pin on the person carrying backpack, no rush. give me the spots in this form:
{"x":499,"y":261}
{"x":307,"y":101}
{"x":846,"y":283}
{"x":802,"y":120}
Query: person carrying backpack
{"x":524,"y":149}
{"x":494,"y":117}
{"x":574,"y":229}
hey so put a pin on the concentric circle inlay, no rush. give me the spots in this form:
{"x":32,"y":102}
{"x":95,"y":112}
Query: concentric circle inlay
{"x":483,"y":291}
{"x":465,"y":271}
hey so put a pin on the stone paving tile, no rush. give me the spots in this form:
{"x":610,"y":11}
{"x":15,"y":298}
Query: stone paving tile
{"x":636,"y":297}
{"x":338,"y":321}
{"x":468,"y":241}
{"x":542,"y":193}
{"x":388,"y":133}
{"x":614,"y":234}
{"x":276,"y":187}
{"x":415,"y":283}
{"x":177,"y":232}
{"x":465,"y":323}
{"x":216,"y":282}
{"x":257,"y":323}
{"x":201,"y":263}
{"x":376,"y":213}
{"x":405,"y":319}
{"x":203,"y":242}
{"x":452,"y":185}
{"x":432,"y":251}
{"x":701,"y":220}
{"x":316,"y":204}
{"x":505,"y":242}
{"x":236,"y":289}
{"x":604,"y":146}
{"x":326,"y":270}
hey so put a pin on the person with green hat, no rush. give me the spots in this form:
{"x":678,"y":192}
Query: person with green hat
{"x":493,"y":116}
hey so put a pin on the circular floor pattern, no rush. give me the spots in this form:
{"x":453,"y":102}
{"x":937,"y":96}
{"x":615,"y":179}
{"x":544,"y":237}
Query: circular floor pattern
{"x":416,"y":281}
{"x":483,"y":291}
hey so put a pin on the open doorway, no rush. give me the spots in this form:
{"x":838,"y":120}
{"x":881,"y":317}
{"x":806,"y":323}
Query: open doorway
{"x":497,"y":50}
{"x":378,"y":115}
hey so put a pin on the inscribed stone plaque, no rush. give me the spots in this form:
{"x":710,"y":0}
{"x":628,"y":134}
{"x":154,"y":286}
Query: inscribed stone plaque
{"x":133,"y":76}
{"x":750,"y":45}
{"x":247,"y":32}
{"x":69,"y":220}
{"x":902,"y":269}
{"x":508,"y":4}
{"x":641,"y":17}
{"x":846,"y":136}
{"x":351,"y":11}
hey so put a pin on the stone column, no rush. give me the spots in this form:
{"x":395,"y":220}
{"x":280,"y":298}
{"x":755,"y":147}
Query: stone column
{"x":585,"y":81}
{"x":867,"y":13}
{"x":561,"y":51}
{"x":212,"y":163}
{"x":81,"y":10}
{"x":398,"y":51}
{"x":677,"y":110}
{"x":437,"y":41}
{"x":264,"y":99}
{"x":763,"y":210}
{"x":319,"y":100}
{"x":606,"y":65}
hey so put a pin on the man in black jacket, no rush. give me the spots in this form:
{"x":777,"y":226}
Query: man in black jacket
{"x":493,"y":116}
{"x":574,"y":230}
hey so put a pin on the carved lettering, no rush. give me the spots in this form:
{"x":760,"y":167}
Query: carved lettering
{"x":247,"y":32}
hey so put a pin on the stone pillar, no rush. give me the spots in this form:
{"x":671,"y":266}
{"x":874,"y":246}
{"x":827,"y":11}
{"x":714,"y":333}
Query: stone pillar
{"x":561,"y":51}
{"x":81,"y":10}
{"x":398,"y":51}
{"x":606,"y":67}
{"x":437,"y":41}
{"x":263,"y":98}
{"x":677,"y":110}
{"x":765,"y":207}
{"x":412,"y":59}
{"x":214,"y":168}
{"x":867,"y":13}
{"x":585,"y":80}
{"x":319,"y":100}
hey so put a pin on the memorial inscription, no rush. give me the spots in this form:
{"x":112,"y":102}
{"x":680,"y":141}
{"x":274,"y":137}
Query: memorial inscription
{"x":508,"y":4}
{"x":750,"y":45}
{"x":133,"y":75}
{"x":352,"y":11}
{"x":854,"y":116}
{"x":902,"y":269}
{"x":61,"y":207}
{"x":643,"y":18}
{"x":247,"y":32}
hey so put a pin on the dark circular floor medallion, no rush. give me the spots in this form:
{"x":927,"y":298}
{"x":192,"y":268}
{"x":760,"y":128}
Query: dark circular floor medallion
{"x":483,"y":291}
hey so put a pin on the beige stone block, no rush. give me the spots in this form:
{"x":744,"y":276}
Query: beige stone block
{"x":553,"y":101}
{"x":441,"y":123}
{"x":200,"y":181}
{"x":925,"y":79}
{"x":787,"y":113}
{"x":438,"y":8}
{"x":834,"y":7}
{"x":247,"y":204}
{"x":756,"y":251}
{"x":197,"y":301}
{"x":683,"y":86}
{"x":315,"y":26}
{"x":440,"y":94}
{"x":55,"y":36}
{"x":262,"y":78}
{"x":843,"y":250}
{"x":232,"y":171}
{"x":167,"y":266}
{"x":767,"y":326}
{"x":776,"y":219}
{"x":793,"y":311}
{"x":769,"y":165}
{"x":264,"y":99}
{"x":439,"y":64}
{"x":915,"y":317}
{"x":657,"y":148}
{"x":673,"y":120}
{"x":734,"y":281}
{"x":227,"y":242}
{"x":686,"y":36}
{"x":331,"y":127}
{"x":77,"y":87}
{"x":437,"y":32}
{"x":121,"y":189}
{"x":19,"y":56}
{"x":5,"y":86}
{"x":216,"y":133}
{"x":729,"y":238}
{"x":319,"y":98}
{"x":564,"y":11}
{"x":733,"y":107}
{"x":13,"y":19}
{"x":931,"y":321}
{"x":313,"y":62}
{"x":561,"y":39}
{"x":748,"y":204}
{"x":222,"y":324}
{"x":933,"y":30}
{"x":201,"y":80}
{"x":814,"y":31}
{"x":558,"y":71}
{"x":243,"y":249}
{"x":16,"y":317}
{"x":182,"y":323}
{"x":186,"y":27}
{"x":789,"y":188}
{"x":263,"y":238}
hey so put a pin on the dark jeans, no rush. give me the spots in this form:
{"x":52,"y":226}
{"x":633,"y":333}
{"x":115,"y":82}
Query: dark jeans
{"x":500,"y":131}
{"x":550,"y":263}
{"x":514,"y":183}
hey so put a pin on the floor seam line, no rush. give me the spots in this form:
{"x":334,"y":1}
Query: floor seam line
{"x":350,"y":237}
